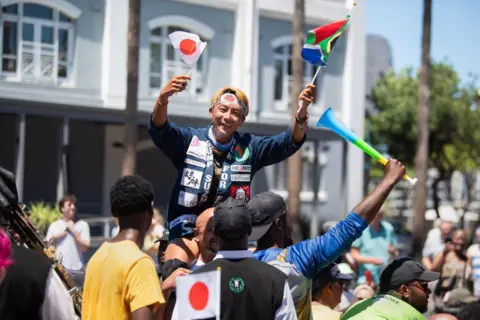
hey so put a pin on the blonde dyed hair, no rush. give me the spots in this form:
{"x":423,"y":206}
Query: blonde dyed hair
{"x":241,"y":96}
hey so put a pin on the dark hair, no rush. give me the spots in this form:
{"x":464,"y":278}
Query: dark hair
{"x":131,"y":195}
{"x":470,"y":311}
{"x":65,"y":198}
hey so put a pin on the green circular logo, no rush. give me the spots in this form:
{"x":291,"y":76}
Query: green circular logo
{"x":236,"y":284}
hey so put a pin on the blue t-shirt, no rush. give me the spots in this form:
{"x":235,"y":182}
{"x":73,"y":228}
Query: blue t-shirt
{"x":375,"y":244}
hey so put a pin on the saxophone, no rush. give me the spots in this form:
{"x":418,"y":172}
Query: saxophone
{"x":22,"y":231}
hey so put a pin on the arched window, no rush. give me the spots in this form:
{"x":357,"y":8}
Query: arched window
{"x":37,"y":43}
{"x":282,"y":56}
{"x":165,"y":61}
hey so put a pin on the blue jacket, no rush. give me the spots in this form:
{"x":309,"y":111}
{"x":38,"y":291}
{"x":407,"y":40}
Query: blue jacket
{"x":302,"y":260}
{"x":190,"y":150}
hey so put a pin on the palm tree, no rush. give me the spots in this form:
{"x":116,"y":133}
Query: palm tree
{"x":131,"y":129}
{"x":295,"y":162}
{"x":421,"y":158}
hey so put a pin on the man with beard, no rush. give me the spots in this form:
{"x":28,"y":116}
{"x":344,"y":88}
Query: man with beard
{"x":205,"y":237}
{"x":403,"y":293}
{"x":207,"y":246}
{"x":272,"y":231}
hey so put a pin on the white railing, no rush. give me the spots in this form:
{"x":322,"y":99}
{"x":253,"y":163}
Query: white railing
{"x":38,"y":62}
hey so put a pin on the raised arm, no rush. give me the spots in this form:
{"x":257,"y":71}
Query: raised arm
{"x":168,"y":137}
{"x":309,"y":255}
{"x":175,"y":85}
{"x":300,"y":123}
{"x":274,"y":149}
{"x":369,"y":207}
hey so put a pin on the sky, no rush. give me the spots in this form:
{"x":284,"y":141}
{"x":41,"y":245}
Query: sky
{"x":455,"y":32}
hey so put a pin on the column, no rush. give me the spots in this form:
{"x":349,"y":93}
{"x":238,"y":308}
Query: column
{"x":20,"y":155}
{"x":245,"y":51}
{"x":112,"y":162}
{"x":114,"y":53}
{"x":62,"y":183}
{"x":353,"y":105}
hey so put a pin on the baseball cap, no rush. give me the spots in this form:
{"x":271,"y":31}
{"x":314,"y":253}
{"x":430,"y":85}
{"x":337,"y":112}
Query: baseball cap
{"x":402,"y":271}
{"x":232,"y":219}
{"x":264,"y":208}
{"x":329,"y":274}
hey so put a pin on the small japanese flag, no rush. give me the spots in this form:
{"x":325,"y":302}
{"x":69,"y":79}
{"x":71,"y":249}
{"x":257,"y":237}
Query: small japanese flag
{"x":188,"y":45}
{"x":198,"y":296}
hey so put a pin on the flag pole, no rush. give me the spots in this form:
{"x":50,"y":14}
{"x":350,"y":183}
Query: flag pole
{"x":219,"y":288}
{"x":316,"y":74}
{"x":189,"y":72}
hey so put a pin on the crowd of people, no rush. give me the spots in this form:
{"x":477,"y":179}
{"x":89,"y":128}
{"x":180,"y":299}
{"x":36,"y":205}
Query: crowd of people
{"x":353,"y":271}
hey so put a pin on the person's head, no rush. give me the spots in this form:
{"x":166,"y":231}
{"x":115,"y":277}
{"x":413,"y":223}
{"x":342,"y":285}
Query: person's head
{"x":445,"y":228}
{"x":408,"y":280}
{"x":477,"y":234}
{"x":228,"y":109}
{"x":232,"y":224}
{"x":470,"y":311}
{"x":270,"y":222}
{"x":5,"y":254}
{"x":363,"y":292}
{"x":131,"y":201}
{"x":68,"y":206}
{"x":459,"y":241}
{"x":205,"y":236}
{"x":328,"y":285}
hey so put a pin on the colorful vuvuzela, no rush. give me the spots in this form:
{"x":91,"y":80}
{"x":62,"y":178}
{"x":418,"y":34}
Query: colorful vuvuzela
{"x":327,"y":120}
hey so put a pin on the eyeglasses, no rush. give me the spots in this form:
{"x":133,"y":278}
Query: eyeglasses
{"x":420,"y":285}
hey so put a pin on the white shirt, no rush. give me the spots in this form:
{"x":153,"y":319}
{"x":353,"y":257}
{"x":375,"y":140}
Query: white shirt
{"x":286,"y":311}
{"x":434,"y":244}
{"x":57,"y":304}
{"x":66,"y":248}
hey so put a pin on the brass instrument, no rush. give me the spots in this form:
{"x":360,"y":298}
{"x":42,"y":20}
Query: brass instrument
{"x":23,"y":232}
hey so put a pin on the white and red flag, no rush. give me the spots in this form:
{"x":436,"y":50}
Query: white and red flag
{"x":188,"y":45}
{"x":198,"y":296}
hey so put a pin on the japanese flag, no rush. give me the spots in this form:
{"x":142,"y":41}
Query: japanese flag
{"x":188,"y":45}
{"x":198,"y":296}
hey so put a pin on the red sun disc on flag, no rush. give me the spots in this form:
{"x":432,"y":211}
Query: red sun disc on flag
{"x":198,"y":296}
{"x":187,"y":46}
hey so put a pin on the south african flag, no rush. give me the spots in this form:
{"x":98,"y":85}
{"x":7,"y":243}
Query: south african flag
{"x":320,"y":42}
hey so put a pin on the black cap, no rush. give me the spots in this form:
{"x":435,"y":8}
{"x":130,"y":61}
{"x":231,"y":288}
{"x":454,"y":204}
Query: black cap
{"x":232,"y":220}
{"x":402,"y":271}
{"x":265,"y":208}
{"x":329,"y":274}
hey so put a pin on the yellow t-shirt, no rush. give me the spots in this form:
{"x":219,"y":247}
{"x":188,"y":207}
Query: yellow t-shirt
{"x":320,"y":311}
{"x":119,"y":279}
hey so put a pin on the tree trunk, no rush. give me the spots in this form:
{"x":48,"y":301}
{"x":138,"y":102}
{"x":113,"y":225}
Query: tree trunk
{"x":421,"y":159}
{"x":295,"y":161}
{"x":436,"y":198}
{"x":131,"y":129}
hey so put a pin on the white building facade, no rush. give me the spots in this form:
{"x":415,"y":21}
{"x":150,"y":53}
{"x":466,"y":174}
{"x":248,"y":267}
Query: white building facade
{"x":63,"y":86}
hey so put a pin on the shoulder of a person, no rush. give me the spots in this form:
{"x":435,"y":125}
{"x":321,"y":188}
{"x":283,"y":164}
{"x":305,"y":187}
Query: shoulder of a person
{"x":387,"y":225}
{"x":82,"y":223}
{"x":57,"y":224}
{"x":259,"y":265}
{"x":211,"y":266}
{"x":144,"y":260}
